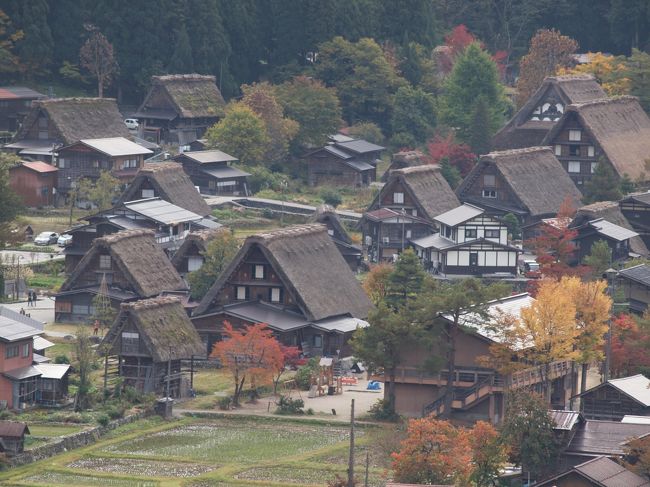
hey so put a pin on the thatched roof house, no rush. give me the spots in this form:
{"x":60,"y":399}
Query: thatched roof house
{"x":529,"y":183}
{"x":168,"y":181}
{"x":130,"y":263}
{"x":427,"y":189}
{"x":402,"y":159}
{"x":533,"y":121}
{"x":163,"y":326}
{"x":326,"y":215}
{"x":179,"y":107}
{"x":609,"y":211}
{"x":68,"y":120}
{"x":616,"y":128}
{"x":190,"y":255}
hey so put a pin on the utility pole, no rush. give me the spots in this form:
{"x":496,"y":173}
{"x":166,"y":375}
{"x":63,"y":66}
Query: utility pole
{"x":351,"y":460}
{"x":169,"y":371}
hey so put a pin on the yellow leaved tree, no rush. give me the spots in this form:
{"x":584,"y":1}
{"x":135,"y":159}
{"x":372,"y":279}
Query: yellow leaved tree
{"x":609,"y":71}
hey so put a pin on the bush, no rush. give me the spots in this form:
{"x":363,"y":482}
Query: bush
{"x":331,"y":197}
{"x":309,"y":412}
{"x":304,"y":373}
{"x":61,"y":359}
{"x":103,"y":419}
{"x":115,"y":412}
{"x":380,"y":411}
{"x":225,"y":403}
{"x":290,"y":406}
{"x":6,"y":414}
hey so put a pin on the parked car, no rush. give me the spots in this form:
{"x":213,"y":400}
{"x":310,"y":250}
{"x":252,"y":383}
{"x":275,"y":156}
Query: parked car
{"x":46,"y":238}
{"x":132,"y":123}
{"x":530,"y":269}
{"x":64,"y":240}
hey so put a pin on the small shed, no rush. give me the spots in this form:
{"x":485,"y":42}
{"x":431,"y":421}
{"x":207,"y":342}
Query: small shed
{"x":34,"y":182}
{"x":597,"y":472}
{"x":12,"y":436}
{"x":614,"y":399}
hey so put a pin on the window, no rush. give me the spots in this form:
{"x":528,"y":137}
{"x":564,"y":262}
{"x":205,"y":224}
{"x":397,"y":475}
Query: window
{"x":489,"y":180}
{"x":593,"y":167}
{"x":398,"y":198}
{"x":489,"y":193}
{"x":194,"y":263}
{"x":61,"y":162}
{"x":80,"y":309}
{"x":330,"y":232}
{"x":575,"y":135}
{"x":130,"y":163}
{"x":25,"y":350}
{"x":318,"y":341}
{"x":96,"y":164}
{"x":242,"y":292}
{"x":147,"y":193}
{"x":574,"y":150}
{"x":130,"y":342}
{"x":11,"y":351}
{"x":104,"y":261}
{"x":558,"y":150}
{"x":275,"y":295}
{"x":470,"y":233}
{"x":258,"y":272}
{"x":590,"y":151}
{"x":42,"y":122}
{"x":491,"y":233}
{"x":414,"y":212}
{"x":408,"y":234}
{"x":574,"y":166}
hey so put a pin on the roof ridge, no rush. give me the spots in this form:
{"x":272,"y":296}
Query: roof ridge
{"x":417,"y":169}
{"x":611,"y":100}
{"x":508,"y":152}
{"x":572,"y":77}
{"x":184,"y":77}
{"x":86,"y":99}
{"x":149,"y":303}
{"x":292,"y":231}
{"x":161,"y":166}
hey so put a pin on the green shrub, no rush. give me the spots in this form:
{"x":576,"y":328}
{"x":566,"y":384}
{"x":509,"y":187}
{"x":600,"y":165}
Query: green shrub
{"x":304,"y":373}
{"x":331,"y":197}
{"x":381,"y":411}
{"x":61,"y":359}
{"x":290,"y":406}
{"x":309,"y":412}
{"x":6,"y":414}
{"x":115,"y":412}
{"x":103,"y":419}
{"x":225,"y":403}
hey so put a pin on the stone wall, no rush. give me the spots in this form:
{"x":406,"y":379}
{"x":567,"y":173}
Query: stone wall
{"x":70,"y":442}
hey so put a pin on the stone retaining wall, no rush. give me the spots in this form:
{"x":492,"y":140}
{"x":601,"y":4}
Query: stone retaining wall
{"x":70,"y":442}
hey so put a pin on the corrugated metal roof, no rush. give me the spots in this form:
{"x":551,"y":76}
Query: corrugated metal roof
{"x":359,"y":146}
{"x":459,"y":215}
{"x":337,"y":152}
{"x":611,"y":230}
{"x":126,"y":223}
{"x":39,"y":166}
{"x":12,"y":330}
{"x":16,"y":316}
{"x":53,"y":371}
{"x":22,"y":373}
{"x":207,"y":223}
{"x":340,"y":138}
{"x":343,"y":324}
{"x":635,"y":386}
{"x":116,"y":146}
{"x":41,"y":343}
{"x":639,"y":273}
{"x":358,"y":165}
{"x":629,"y":418}
{"x":8,"y":92}
{"x":162,"y":211}
{"x":564,"y":420}
{"x":609,"y":473}
{"x":435,"y":241}
{"x":272,"y":316}
{"x":208,"y":156}
{"x":225,"y":172}
{"x":605,"y":437}
{"x":37,"y":358}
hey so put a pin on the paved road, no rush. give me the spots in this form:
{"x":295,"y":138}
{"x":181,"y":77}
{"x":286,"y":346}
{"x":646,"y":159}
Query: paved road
{"x":30,"y":257}
{"x":43,"y":311}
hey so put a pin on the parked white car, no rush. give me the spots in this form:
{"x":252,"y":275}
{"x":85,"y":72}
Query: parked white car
{"x":46,"y":238}
{"x":132,"y":123}
{"x":64,"y":240}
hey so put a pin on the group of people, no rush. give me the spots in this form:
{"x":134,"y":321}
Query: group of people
{"x":31,"y":298}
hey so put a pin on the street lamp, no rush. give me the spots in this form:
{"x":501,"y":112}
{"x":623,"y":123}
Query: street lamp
{"x":610,"y":274}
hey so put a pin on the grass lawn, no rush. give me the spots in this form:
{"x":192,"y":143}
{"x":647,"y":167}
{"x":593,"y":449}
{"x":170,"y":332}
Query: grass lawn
{"x":223,"y":452}
{"x":51,"y":430}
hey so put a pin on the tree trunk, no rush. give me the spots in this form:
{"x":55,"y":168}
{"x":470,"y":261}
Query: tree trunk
{"x":547,"y":383}
{"x":239,"y":386}
{"x":574,"y":384}
{"x":583,"y":378}
{"x":451,"y":371}
{"x":391,"y":389}
{"x":100,"y":87}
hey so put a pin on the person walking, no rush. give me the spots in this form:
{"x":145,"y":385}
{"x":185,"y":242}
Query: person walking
{"x":34,"y":298}
{"x":96,"y":327}
{"x":22,"y":311}
{"x":29,"y":299}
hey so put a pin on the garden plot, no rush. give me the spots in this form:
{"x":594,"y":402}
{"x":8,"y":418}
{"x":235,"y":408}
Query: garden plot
{"x":230,"y":441}
{"x":60,"y":478}
{"x":147,"y":468}
{"x":303,"y":475}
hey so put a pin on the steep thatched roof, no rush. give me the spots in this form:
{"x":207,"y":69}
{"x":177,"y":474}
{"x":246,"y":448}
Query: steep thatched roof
{"x":326,"y":215}
{"x":310,"y":266}
{"x":620,"y":127}
{"x":521,"y":132}
{"x":534,"y":175}
{"x":192,"y":95}
{"x":611,"y":212}
{"x":402,"y":159}
{"x":163,"y":325}
{"x":171,"y":183}
{"x":78,"y":118}
{"x":427,"y":186}
{"x":144,"y":264}
{"x":198,"y":239}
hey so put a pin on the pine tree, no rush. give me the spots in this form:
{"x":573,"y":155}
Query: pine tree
{"x":450,"y":173}
{"x":478,"y":133}
{"x":405,"y":282}
{"x":603,"y":185}
{"x":638,"y":66}
{"x":35,"y":47}
{"x":181,"y":60}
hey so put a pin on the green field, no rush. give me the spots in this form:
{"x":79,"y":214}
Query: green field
{"x":222,"y":452}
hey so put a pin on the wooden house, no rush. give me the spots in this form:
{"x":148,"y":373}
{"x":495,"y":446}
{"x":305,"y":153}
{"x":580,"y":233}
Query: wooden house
{"x":479,"y":390}
{"x":168,"y":181}
{"x":34,"y":182}
{"x":211,"y":171}
{"x":179,"y":108}
{"x":623,"y":241}
{"x":529,"y":183}
{"x":296,"y":281}
{"x":191,"y":254}
{"x":352,"y":253}
{"x":405,"y":209}
{"x":58,"y":122}
{"x":15,"y":103}
{"x":544,"y":108}
{"x":634,"y":282}
{"x":346,"y":163}
{"x":24,"y":379}
{"x":87,"y":158}
{"x":636,"y":210}
{"x":132,"y":265}
{"x":596,"y":472}
{"x":616,"y":398}
{"x":469,"y":243}
{"x":615,"y":131}
{"x":12,"y":437}
{"x":150,"y":338}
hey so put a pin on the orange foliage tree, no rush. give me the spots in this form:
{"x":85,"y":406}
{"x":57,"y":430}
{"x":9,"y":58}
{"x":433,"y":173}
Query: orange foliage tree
{"x":630,"y":345}
{"x":375,"y":283}
{"x":250,"y":353}
{"x":555,"y":249}
{"x":436,"y":451}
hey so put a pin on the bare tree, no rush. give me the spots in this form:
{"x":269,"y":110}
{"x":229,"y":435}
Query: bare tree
{"x":97,"y":56}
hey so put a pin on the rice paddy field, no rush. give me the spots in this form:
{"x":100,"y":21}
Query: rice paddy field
{"x":221,"y":452}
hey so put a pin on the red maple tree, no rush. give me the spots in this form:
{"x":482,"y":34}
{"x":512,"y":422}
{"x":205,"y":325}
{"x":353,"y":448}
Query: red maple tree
{"x":459,"y":156}
{"x":629,"y":347}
